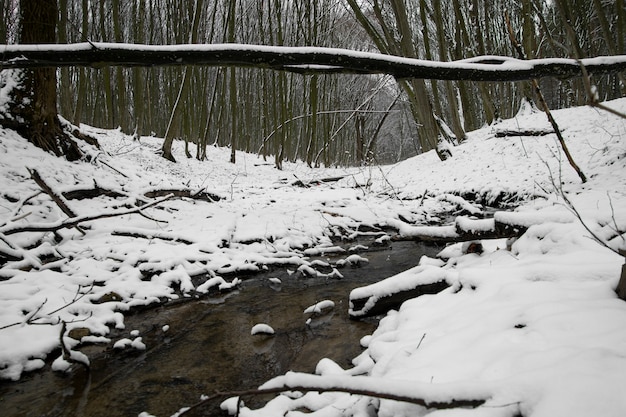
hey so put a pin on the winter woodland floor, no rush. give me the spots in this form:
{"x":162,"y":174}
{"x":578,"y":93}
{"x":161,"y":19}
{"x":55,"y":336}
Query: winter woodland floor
{"x":530,"y":326}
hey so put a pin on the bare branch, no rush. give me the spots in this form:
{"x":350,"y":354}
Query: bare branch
{"x":453,"y":403}
{"x":72,"y":222}
{"x":56,"y":197}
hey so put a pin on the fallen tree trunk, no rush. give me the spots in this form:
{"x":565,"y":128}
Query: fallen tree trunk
{"x":504,"y":133}
{"x":463,"y":230}
{"x":301,"y":60}
{"x":96,"y":191}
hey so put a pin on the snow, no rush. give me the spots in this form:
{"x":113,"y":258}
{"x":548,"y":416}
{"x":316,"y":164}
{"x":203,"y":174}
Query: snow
{"x":532,"y":325}
{"x":261,"y":328}
{"x":320,"y":307}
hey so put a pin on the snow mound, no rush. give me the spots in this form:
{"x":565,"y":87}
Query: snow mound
{"x":320,"y":307}
{"x":262,"y":329}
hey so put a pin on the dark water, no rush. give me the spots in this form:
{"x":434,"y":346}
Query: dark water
{"x":209,"y":348}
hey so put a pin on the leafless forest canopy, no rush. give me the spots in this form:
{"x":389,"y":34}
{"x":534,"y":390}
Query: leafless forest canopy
{"x":323,"y":119}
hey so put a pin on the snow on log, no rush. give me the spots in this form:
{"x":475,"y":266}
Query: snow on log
{"x":502,"y":225}
{"x":390,"y":293}
{"x":301,"y":60}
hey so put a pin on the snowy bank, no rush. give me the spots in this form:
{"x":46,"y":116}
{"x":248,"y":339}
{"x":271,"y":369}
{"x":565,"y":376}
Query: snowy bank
{"x":533,"y":325}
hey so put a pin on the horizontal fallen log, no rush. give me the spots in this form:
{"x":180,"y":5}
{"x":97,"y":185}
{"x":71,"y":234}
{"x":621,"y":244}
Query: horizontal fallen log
{"x":149,"y":235}
{"x":463,"y":230}
{"x":301,"y":60}
{"x":522,"y":132}
{"x":96,"y":191}
{"x":380,"y":297}
{"x":300,"y":183}
{"x":184,"y":193}
{"x":360,"y":307}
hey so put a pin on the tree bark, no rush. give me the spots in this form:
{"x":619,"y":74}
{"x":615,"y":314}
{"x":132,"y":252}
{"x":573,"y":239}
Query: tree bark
{"x":33,"y":108}
{"x":303,"y":60}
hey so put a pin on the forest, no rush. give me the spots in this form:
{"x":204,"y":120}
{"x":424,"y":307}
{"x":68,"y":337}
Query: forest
{"x":323,"y":119}
{"x":339,"y":208}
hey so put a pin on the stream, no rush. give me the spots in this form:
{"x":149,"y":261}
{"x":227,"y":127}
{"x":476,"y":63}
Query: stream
{"x":208,"y":346}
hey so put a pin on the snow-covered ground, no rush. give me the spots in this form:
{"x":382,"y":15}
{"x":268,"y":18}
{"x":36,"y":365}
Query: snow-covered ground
{"x":534,"y":329}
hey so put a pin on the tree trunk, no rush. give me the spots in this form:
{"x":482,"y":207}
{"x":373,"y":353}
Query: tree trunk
{"x":33,"y":110}
{"x":175,"y":117}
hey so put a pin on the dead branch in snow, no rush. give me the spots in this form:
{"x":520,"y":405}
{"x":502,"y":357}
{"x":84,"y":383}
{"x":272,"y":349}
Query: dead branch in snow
{"x":96,"y":191}
{"x":200,"y":194}
{"x":308,"y":184}
{"x":522,"y":132}
{"x":305,"y":60}
{"x":33,"y":317}
{"x":56,"y":197}
{"x":149,"y":235}
{"x":453,"y":403}
{"x":72,"y":222}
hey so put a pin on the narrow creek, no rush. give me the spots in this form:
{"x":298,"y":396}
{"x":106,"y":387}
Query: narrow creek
{"x":208,"y":346}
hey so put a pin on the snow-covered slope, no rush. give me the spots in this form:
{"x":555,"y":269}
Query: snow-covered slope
{"x":537,"y":328}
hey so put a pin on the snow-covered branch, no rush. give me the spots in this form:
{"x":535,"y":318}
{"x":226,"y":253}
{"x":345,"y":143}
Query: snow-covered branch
{"x":300,"y":59}
{"x":439,"y":396}
{"x":74,"y":221}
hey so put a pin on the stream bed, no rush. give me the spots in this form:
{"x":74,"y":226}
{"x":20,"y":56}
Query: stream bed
{"x":208,"y":346}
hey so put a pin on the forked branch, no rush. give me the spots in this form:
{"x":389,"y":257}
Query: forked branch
{"x":72,"y":222}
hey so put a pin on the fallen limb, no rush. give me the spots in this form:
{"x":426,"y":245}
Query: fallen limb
{"x":522,"y":132}
{"x":149,"y":235}
{"x":200,"y":194}
{"x":96,"y":191}
{"x":464,"y":230}
{"x":426,"y":395}
{"x":72,"y":222}
{"x":300,"y":183}
{"x":56,"y":197}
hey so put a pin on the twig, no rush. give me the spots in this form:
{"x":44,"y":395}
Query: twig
{"x":31,"y":319}
{"x":18,"y":253}
{"x":613,"y":216}
{"x":72,"y":222}
{"x":21,"y":203}
{"x":420,"y":342}
{"x":570,"y":206}
{"x":108,"y":165}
